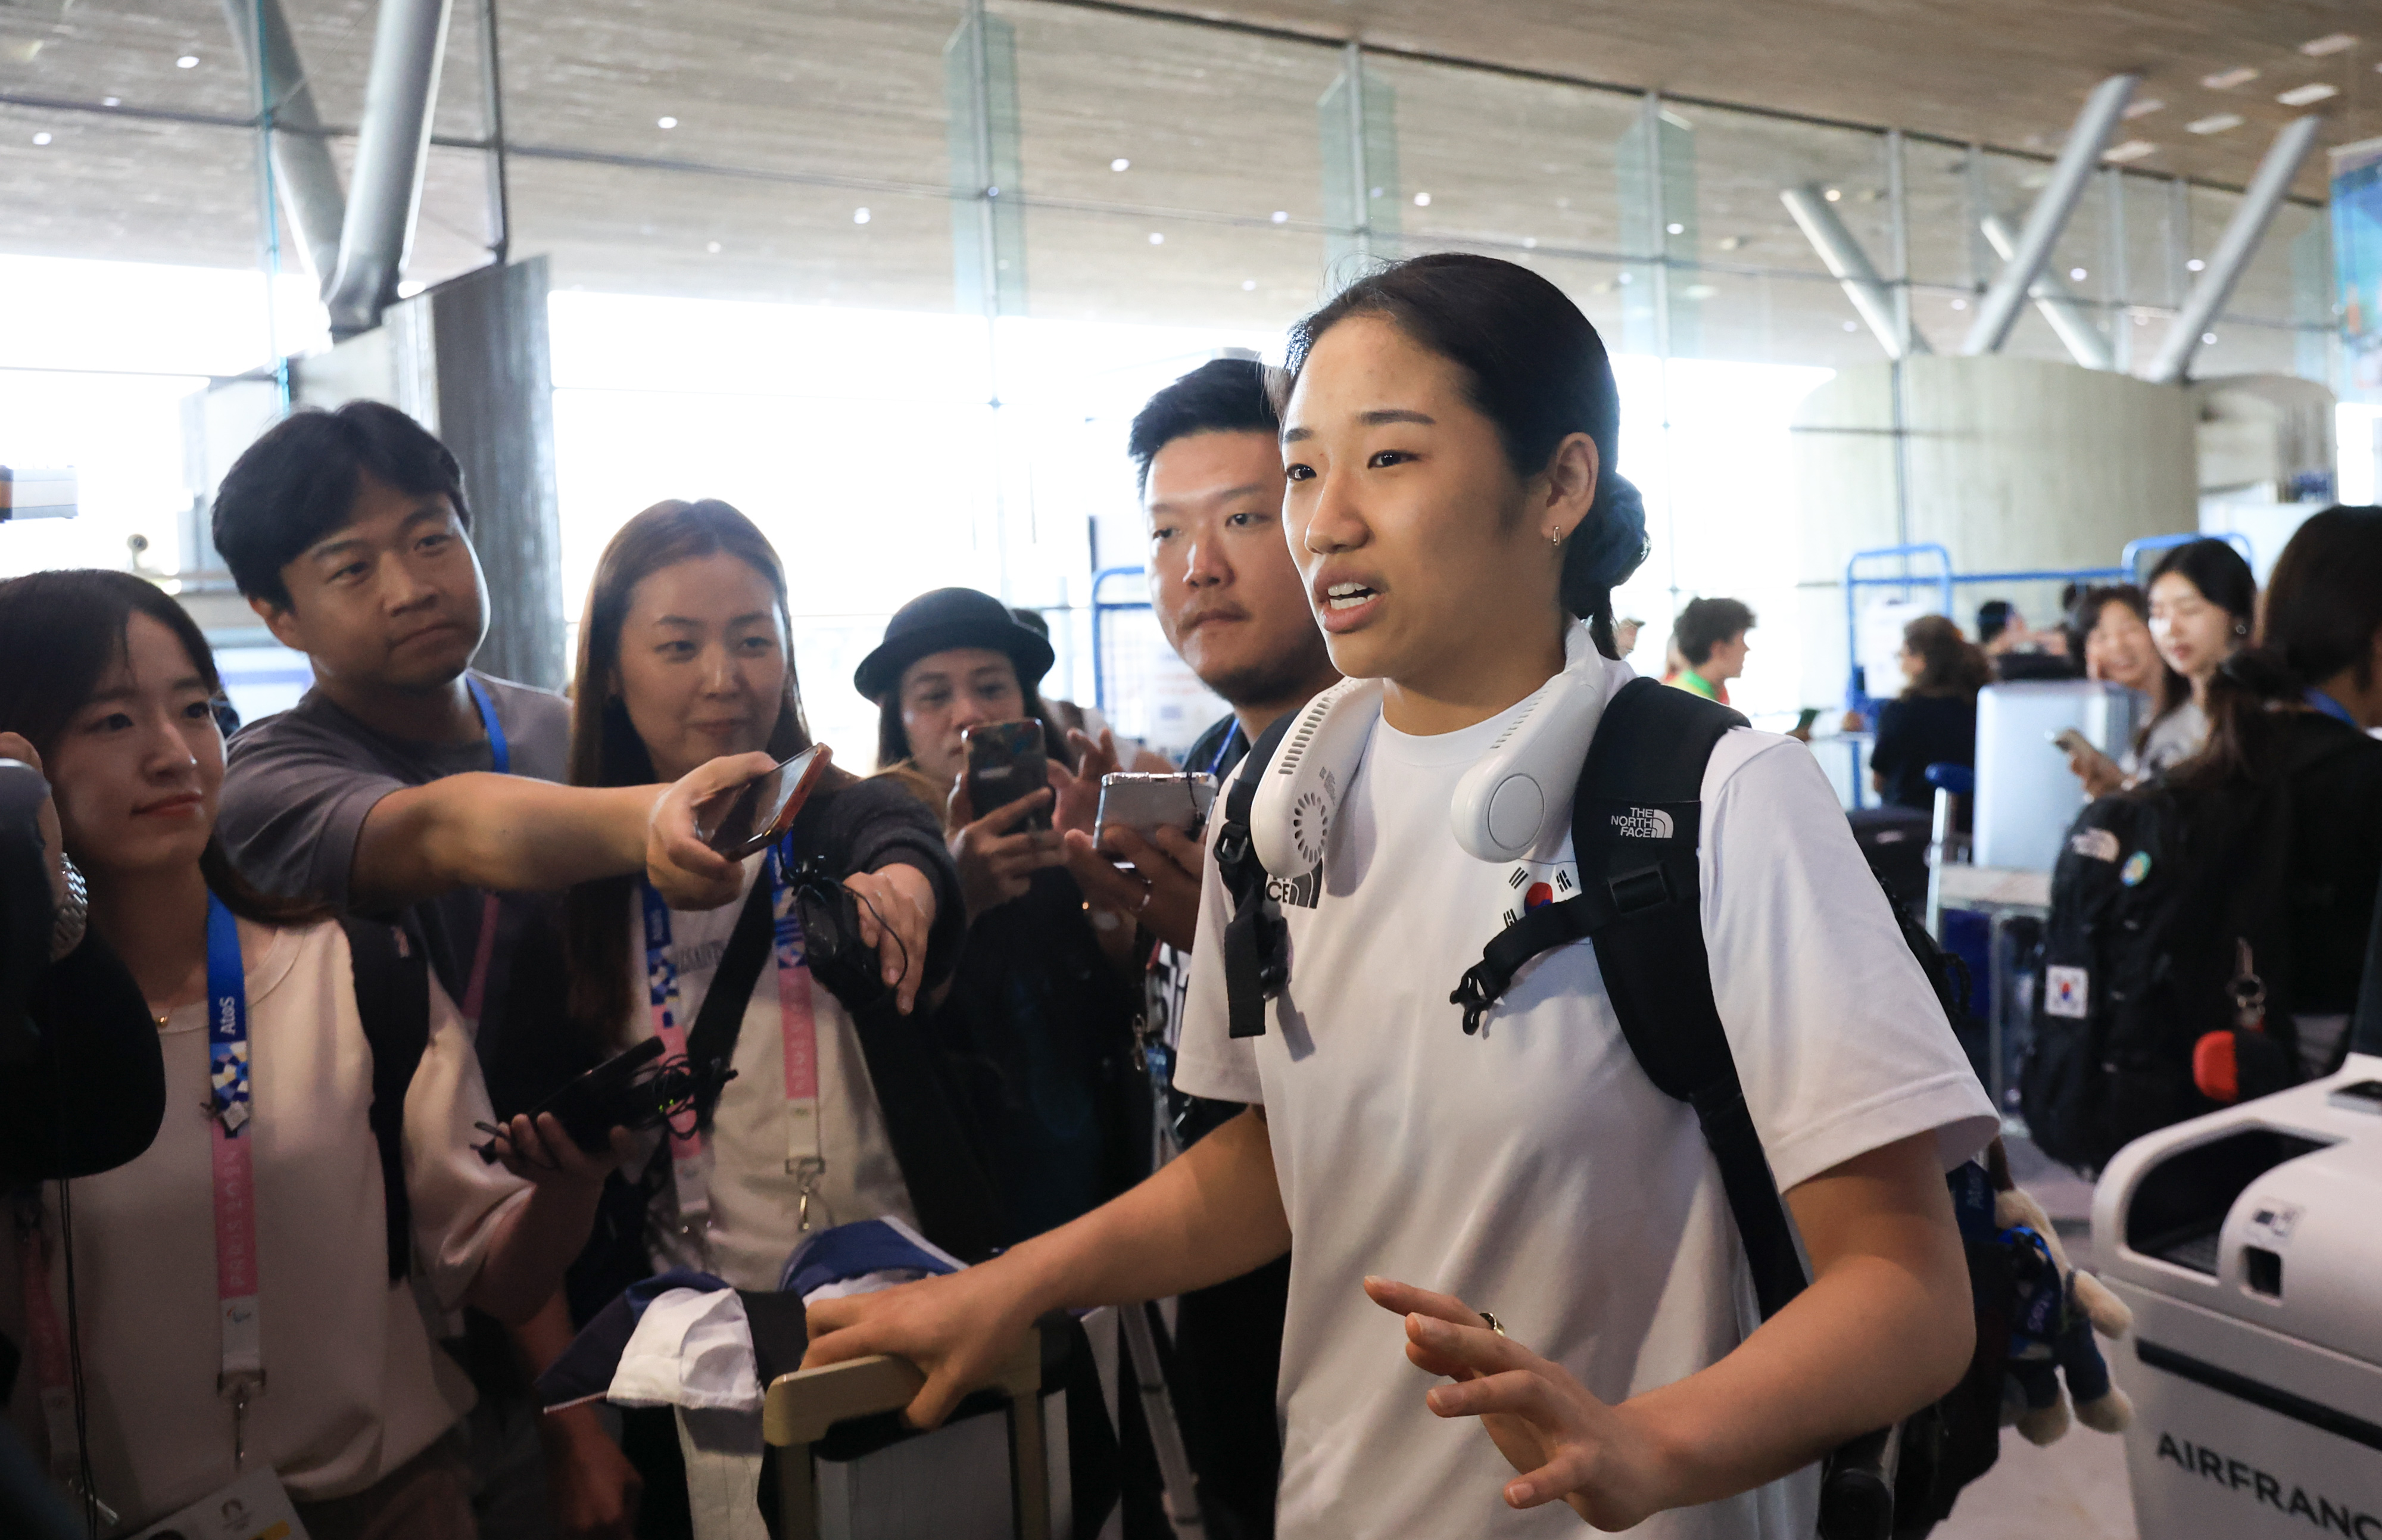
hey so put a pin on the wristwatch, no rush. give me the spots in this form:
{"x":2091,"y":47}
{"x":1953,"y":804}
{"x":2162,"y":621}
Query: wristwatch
{"x":74,"y":915}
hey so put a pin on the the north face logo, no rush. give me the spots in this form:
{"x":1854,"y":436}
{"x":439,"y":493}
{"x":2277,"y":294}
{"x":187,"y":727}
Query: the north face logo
{"x":1300,"y":892}
{"x":1642,"y":823}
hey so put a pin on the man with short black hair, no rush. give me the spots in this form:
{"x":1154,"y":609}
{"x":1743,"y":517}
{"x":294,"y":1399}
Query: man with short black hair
{"x":1710,"y":638}
{"x":348,"y":534}
{"x":1232,"y":604}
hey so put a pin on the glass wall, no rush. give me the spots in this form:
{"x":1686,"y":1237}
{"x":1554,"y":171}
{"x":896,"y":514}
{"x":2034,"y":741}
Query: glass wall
{"x":894,"y":278}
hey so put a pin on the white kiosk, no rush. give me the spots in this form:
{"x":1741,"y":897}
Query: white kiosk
{"x":2249,"y":1245}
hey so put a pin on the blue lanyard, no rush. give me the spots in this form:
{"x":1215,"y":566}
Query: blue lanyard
{"x":1216,"y":766}
{"x":227,"y":1054}
{"x":2331,"y":708}
{"x":498,"y":750}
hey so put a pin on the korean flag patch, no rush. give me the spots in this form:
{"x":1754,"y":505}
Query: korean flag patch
{"x":2066,"y":991}
{"x":1532,"y":885}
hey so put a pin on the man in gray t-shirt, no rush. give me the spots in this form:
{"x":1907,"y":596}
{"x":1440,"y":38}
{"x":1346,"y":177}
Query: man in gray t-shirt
{"x":299,"y":789}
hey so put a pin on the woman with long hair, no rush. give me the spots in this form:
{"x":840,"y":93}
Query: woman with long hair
{"x":2293,"y":716}
{"x":1039,"y":1020}
{"x":2109,"y":628}
{"x":264,"y":1202}
{"x":1934,"y":718}
{"x":1449,"y":435}
{"x":2204,"y":600}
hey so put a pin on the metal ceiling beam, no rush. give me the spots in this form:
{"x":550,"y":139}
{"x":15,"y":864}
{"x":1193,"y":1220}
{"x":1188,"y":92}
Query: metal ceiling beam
{"x":302,"y":168}
{"x":1850,"y":267}
{"x":391,"y":146}
{"x":2077,"y":332}
{"x":1997,"y":312}
{"x":2234,"y":250}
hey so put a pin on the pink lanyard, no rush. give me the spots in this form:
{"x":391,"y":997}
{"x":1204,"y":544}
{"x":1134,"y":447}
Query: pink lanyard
{"x":798,"y":1032}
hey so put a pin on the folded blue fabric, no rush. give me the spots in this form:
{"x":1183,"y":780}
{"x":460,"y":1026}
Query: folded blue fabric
{"x":856,"y":1250}
{"x":586,"y":1369}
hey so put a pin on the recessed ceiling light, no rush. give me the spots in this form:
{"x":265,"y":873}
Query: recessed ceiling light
{"x":1676,"y":229}
{"x":1422,"y":200}
{"x":2333,"y":42}
{"x":2194,"y":265}
{"x":1959,"y":305}
{"x":1119,"y":164}
{"x":2144,"y":107}
{"x":2077,"y":275}
{"x":1529,"y":242}
{"x":1157,"y":238}
{"x":665,"y":122}
{"x":1852,"y":326}
{"x":2226,"y":80}
{"x":187,"y":61}
{"x":1731,"y":242}
{"x":2300,"y":96}
{"x":860,"y":216}
{"x":1835,"y":195}
{"x":2215,"y":123}
{"x":111,"y":101}
{"x":1247,"y":284}
{"x":2132,"y":149}
{"x":2209,"y":338}
{"x":41,"y":138}
{"x":1281,"y":216}
{"x":712,"y":247}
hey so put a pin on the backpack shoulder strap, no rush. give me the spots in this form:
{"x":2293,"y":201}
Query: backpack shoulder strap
{"x":720,"y":1018}
{"x":392,"y":974}
{"x":1255,"y":964}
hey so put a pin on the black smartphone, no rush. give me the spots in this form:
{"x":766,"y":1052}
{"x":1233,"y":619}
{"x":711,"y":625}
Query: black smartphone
{"x":1005,"y":761}
{"x":744,"y":818}
{"x":635,"y":1089}
{"x":1805,"y":718}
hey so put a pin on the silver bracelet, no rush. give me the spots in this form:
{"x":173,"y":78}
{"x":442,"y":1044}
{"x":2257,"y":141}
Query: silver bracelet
{"x":74,"y":915}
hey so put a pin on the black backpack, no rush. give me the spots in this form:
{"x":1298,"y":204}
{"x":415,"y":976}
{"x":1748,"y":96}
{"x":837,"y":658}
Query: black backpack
{"x":1638,"y":903}
{"x":2160,"y":898}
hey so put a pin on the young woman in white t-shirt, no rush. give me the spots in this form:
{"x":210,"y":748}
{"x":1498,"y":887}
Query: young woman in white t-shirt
{"x":1449,"y":439}
{"x":334,"y":1384}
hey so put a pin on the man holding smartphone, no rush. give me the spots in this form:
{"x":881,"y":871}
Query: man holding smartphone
{"x":1233,"y":606}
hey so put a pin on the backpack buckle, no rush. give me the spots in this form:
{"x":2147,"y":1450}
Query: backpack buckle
{"x":1642,"y":889}
{"x":1475,"y":994}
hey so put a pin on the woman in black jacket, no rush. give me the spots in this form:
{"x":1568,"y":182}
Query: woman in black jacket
{"x":1935,"y":720}
{"x":2296,"y":713}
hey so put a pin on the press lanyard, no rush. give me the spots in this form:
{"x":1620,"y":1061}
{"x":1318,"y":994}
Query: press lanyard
{"x":1216,"y":766}
{"x":2331,"y":708}
{"x":500,"y":755}
{"x":232,"y":1184}
{"x":228,"y":1130}
{"x":798,"y":1030}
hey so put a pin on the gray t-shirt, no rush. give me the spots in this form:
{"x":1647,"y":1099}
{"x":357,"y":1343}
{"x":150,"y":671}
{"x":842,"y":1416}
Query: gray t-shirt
{"x":299,"y":784}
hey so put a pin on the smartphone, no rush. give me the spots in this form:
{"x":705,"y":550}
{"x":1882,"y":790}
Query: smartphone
{"x":2068,"y":741}
{"x":744,"y":818}
{"x":1147,"y":803}
{"x":1005,"y":761}
{"x":1805,"y":718}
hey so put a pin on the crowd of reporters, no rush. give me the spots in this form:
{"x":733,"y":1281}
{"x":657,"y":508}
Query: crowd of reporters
{"x":541,"y":852}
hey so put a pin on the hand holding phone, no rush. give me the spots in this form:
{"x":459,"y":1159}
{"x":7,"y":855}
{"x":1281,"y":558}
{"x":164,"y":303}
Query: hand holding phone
{"x":1147,"y":803}
{"x":751,"y":816}
{"x":1006,"y":760}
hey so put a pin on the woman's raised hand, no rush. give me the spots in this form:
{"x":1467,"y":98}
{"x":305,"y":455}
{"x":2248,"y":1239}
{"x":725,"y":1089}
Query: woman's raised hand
{"x":997,"y":860}
{"x":897,"y":910}
{"x":1566,"y":1444}
{"x":688,"y":873}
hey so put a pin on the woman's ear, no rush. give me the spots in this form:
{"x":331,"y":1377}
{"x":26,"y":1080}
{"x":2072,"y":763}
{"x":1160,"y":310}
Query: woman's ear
{"x":1572,"y":475}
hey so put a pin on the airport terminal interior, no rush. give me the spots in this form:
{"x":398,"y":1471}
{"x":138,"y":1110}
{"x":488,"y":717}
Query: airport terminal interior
{"x":2003,"y":389}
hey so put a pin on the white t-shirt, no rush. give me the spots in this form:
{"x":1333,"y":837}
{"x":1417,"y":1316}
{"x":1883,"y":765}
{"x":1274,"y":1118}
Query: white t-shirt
{"x":355,"y":1385}
{"x":1533,"y":1169}
{"x":756,"y":1201}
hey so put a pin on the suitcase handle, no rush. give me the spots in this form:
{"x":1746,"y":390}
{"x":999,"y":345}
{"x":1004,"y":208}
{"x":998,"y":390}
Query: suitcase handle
{"x":799,"y":1408}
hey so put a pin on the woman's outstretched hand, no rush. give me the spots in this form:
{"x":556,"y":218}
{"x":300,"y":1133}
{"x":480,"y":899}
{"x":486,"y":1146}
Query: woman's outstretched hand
{"x":1567,"y":1445}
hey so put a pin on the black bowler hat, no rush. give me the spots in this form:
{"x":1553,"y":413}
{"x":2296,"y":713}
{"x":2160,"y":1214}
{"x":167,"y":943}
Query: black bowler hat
{"x":945,"y":619}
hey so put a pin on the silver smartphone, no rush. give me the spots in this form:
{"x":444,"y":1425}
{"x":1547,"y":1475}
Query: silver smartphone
{"x":744,"y":818}
{"x":1147,"y":803}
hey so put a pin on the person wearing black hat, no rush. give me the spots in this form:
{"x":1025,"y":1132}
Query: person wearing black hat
{"x":1039,"y":1020}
